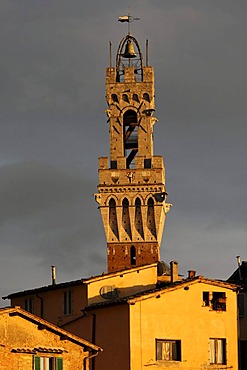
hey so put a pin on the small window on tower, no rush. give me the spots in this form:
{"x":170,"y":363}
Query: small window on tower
{"x":114,"y":165}
{"x":147,"y":163}
{"x":132,"y":255}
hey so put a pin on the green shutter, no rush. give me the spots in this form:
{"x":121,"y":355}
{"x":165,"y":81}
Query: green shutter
{"x":59,"y":363}
{"x":36,"y":363}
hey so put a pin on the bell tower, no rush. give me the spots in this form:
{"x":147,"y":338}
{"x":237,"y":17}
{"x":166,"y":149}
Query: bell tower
{"x":131,"y":191}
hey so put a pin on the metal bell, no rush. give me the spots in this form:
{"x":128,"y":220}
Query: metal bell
{"x":129,"y":50}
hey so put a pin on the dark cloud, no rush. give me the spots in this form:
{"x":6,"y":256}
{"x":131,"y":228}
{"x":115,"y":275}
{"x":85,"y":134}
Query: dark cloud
{"x":52,"y":75}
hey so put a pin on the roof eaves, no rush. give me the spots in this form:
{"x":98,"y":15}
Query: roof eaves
{"x":44,"y":289}
{"x":116,"y":273}
{"x":51,"y":327}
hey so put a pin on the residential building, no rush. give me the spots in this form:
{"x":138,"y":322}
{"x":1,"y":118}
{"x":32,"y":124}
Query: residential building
{"x":187,"y":324}
{"x":28,"y":342}
{"x":239,"y":277}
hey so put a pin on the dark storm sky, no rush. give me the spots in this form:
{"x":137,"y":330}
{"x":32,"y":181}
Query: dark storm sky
{"x":53,"y":129}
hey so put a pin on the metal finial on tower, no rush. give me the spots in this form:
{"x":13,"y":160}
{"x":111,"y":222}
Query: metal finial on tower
{"x":129,"y":19}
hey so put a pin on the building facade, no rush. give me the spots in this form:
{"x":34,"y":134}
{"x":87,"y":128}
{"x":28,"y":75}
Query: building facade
{"x":29,"y":343}
{"x":239,"y":277}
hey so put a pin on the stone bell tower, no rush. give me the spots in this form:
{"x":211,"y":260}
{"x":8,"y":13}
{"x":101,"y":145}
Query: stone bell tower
{"x":131,"y":190}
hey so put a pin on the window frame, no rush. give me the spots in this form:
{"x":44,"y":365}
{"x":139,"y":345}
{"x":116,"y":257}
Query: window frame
{"x":215,"y":300}
{"x":67,"y":302}
{"x":53,"y":363}
{"x":29,"y":305}
{"x":214,"y":358}
{"x":175,"y":352}
{"x":241,"y":305}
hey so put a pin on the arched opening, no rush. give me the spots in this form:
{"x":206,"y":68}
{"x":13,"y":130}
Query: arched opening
{"x":126,"y":217}
{"x":138,"y":218}
{"x":130,"y":137}
{"x":113,"y":217}
{"x":151,"y":217}
{"x":132,"y":256}
{"x":129,"y":55}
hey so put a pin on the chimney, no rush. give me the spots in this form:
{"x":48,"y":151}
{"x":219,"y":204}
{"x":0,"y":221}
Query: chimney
{"x":174,"y":271}
{"x":191,"y":274}
{"x":239,"y":267}
{"x":53,"y":275}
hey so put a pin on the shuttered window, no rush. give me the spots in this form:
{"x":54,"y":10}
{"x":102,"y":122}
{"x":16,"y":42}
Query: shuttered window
{"x":47,"y":363}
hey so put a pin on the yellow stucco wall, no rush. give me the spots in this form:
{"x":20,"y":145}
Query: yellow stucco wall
{"x":180,"y":315}
{"x":127,"y":282}
{"x":53,"y":303}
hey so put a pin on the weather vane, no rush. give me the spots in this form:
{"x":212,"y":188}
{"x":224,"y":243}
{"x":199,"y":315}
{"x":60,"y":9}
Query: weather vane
{"x":129,"y":19}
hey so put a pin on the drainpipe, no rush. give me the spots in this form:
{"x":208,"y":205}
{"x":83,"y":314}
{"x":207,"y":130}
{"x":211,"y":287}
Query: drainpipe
{"x":87,"y":359}
{"x":93,"y":337}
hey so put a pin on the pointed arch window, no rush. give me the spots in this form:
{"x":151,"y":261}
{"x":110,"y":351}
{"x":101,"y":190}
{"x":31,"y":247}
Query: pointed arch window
{"x":138,"y":218}
{"x":113,"y":217}
{"x":126,"y":217}
{"x":150,"y":217}
{"x":130,"y":137}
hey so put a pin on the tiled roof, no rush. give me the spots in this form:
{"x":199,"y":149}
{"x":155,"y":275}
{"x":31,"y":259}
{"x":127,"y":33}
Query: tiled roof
{"x":36,"y":350}
{"x":18,"y":311}
{"x":71,"y":283}
{"x":44,"y":289}
{"x":162,"y":288}
{"x":239,"y":276}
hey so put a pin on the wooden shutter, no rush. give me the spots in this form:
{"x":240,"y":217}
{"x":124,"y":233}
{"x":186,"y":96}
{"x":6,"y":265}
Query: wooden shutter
{"x":36,"y":363}
{"x":59,"y":363}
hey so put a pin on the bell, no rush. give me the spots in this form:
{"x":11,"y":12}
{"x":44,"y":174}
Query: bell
{"x":129,"y":50}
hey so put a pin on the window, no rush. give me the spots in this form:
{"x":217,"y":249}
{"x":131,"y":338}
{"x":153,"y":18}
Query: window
{"x":219,"y":301}
{"x":168,"y":350}
{"x":29,"y":305}
{"x":48,"y":363}
{"x":132,"y":255}
{"x":114,"y":165}
{"x":205,"y":298}
{"x":241,"y":305}
{"x":217,"y":350}
{"x":67,"y":302}
{"x":215,"y":300}
{"x":147,"y":163}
